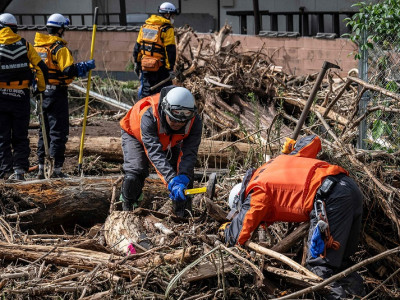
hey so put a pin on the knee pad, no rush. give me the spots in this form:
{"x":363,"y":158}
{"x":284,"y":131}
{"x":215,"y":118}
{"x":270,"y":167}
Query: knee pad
{"x":132,"y":187}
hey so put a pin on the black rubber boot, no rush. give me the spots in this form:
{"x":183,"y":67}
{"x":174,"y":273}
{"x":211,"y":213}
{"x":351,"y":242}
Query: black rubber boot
{"x":131,"y":190}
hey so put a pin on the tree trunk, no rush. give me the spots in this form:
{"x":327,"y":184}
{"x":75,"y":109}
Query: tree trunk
{"x":84,"y":201}
{"x":110,"y":149}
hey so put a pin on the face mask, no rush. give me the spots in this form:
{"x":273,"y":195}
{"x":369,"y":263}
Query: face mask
{"x":172,"y":21}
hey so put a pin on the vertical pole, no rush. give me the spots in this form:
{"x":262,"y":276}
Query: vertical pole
{"x":219,"y":15}
{"x":82,"y":143}
{"x":257,"y":21}
{"x":363,"y":74}
{"x":122,"y":13}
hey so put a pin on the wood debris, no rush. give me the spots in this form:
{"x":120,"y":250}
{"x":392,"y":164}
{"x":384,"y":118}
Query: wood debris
{"x":67,"y":238}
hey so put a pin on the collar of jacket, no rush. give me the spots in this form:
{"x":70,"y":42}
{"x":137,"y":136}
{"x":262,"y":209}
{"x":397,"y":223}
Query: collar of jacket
{"x":47,"y":39}
{"x":157,"y":20}
{"x":7,"y":36}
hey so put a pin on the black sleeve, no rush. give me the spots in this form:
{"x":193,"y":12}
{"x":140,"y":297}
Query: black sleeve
{"x":153,"y":147}
{"x":136,"y":51}
{"x":45,"y":70}
{"x":171,"y":52}
{"x":190,"y":147}
{"x":71,"y":71}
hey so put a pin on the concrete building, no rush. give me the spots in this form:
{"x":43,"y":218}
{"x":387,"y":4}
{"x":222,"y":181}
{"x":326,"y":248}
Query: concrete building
{"x":306,"y":17}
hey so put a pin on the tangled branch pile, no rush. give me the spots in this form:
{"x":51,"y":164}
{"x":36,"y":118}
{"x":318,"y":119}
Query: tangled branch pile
{"x":243,"y":97}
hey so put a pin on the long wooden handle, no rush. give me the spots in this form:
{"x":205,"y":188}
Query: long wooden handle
{"x":294,"y":265}
{"x":327,"y":65}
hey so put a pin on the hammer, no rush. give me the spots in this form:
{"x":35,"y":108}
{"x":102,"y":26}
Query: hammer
{"x":209,"y":189}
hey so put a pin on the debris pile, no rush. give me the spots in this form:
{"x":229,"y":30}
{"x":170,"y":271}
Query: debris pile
{"x":68,"y":238}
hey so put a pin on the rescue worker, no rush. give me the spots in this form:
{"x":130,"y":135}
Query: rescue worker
{"x":155,"y":50}
{"x":165,"y":130}
{"x":297,"y":188}
{"x":16,"y":76}
{"x":53,"y":50}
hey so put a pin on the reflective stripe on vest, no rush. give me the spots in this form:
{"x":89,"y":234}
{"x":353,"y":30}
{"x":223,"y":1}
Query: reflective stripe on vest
{"x":15,"y":72}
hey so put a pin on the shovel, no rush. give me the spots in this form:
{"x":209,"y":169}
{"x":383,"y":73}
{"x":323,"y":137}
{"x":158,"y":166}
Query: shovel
{"x":327,"y":65}
{"x":48,"y":161}
{"x":170,"y":77}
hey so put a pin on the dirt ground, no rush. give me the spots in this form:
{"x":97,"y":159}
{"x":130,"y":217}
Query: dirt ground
{"x":96,"y":126}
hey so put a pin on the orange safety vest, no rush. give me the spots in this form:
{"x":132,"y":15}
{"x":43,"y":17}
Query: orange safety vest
{"x":131,"y":122}
{"x":290,"y":184}
{"x":47,"y":53}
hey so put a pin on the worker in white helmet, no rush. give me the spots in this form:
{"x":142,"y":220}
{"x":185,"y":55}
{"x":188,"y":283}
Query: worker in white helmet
{"x":16,"y":55}
{"x":165,"y":130}
{"x":62,"y":71}
{"x":155,"y":50}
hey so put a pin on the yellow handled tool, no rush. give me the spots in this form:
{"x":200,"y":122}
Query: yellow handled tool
{"x":196,"y":191}
{"x":87,"y":94}
{"x":209,"y":189}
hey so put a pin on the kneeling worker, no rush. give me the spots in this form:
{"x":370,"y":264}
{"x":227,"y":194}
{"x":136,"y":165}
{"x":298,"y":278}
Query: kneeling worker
{"x":297,"y":188}
{"x":165,"y":130}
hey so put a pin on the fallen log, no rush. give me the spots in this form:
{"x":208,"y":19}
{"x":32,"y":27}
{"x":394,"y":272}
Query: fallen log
{"x":88,"y":259}
{"x":83,"y":200}
{"x":291,"y":239}
{"x":123,"y":228}
{"x":109,"y":148}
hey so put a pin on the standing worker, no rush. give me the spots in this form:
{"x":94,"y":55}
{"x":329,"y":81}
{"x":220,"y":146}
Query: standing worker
{"x":164,"y":129}
{"x":155,"y":50}
{"x":62,"y":70}
{"x":297,"y":188}
{"x":16,"y":55}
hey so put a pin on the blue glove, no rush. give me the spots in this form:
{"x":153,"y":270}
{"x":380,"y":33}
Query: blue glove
{"x":178,"y":192}
{"x":317,"y":244}
{"x":84,"y":66}
{"x":180,"y":179}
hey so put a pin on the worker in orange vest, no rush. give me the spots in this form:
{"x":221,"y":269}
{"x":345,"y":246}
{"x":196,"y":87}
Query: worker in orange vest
{"x":165,"y":130}
{"x":296,"y":188}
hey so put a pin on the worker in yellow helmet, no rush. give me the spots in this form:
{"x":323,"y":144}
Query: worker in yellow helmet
{"x":16,"y":76}
{"x":62,"y":70}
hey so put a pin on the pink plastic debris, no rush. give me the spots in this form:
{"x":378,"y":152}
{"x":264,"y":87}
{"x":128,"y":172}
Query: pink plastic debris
{"x":131,"y":249}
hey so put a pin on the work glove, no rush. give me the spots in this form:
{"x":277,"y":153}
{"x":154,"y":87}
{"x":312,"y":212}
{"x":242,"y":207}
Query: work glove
{"x":138,"y":68}
{"x":178,"y":192}
{"x":317,"y":244}
{"x":288,"y":146}
{"x":179,"y":179}
{"x":221,"y":229}
{"x":177,"y":187}
{"x":84,"y":67}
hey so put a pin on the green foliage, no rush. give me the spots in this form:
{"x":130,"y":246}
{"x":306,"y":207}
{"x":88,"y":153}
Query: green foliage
{"x":380,"y":21}
{"x":130,"y":66}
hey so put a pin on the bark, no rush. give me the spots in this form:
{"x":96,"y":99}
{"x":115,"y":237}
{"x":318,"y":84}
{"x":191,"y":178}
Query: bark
{"x":291,"y":239}
{"x":109,"y":148}
{"x":70,"y":201}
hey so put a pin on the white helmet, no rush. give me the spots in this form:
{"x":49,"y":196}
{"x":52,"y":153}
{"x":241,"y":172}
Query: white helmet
{"x":179,"y":104}
{"x":234,"y":195}
{"x":167,"y":8}
{"x":8,"y":20}
{"x":57,"y":20}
